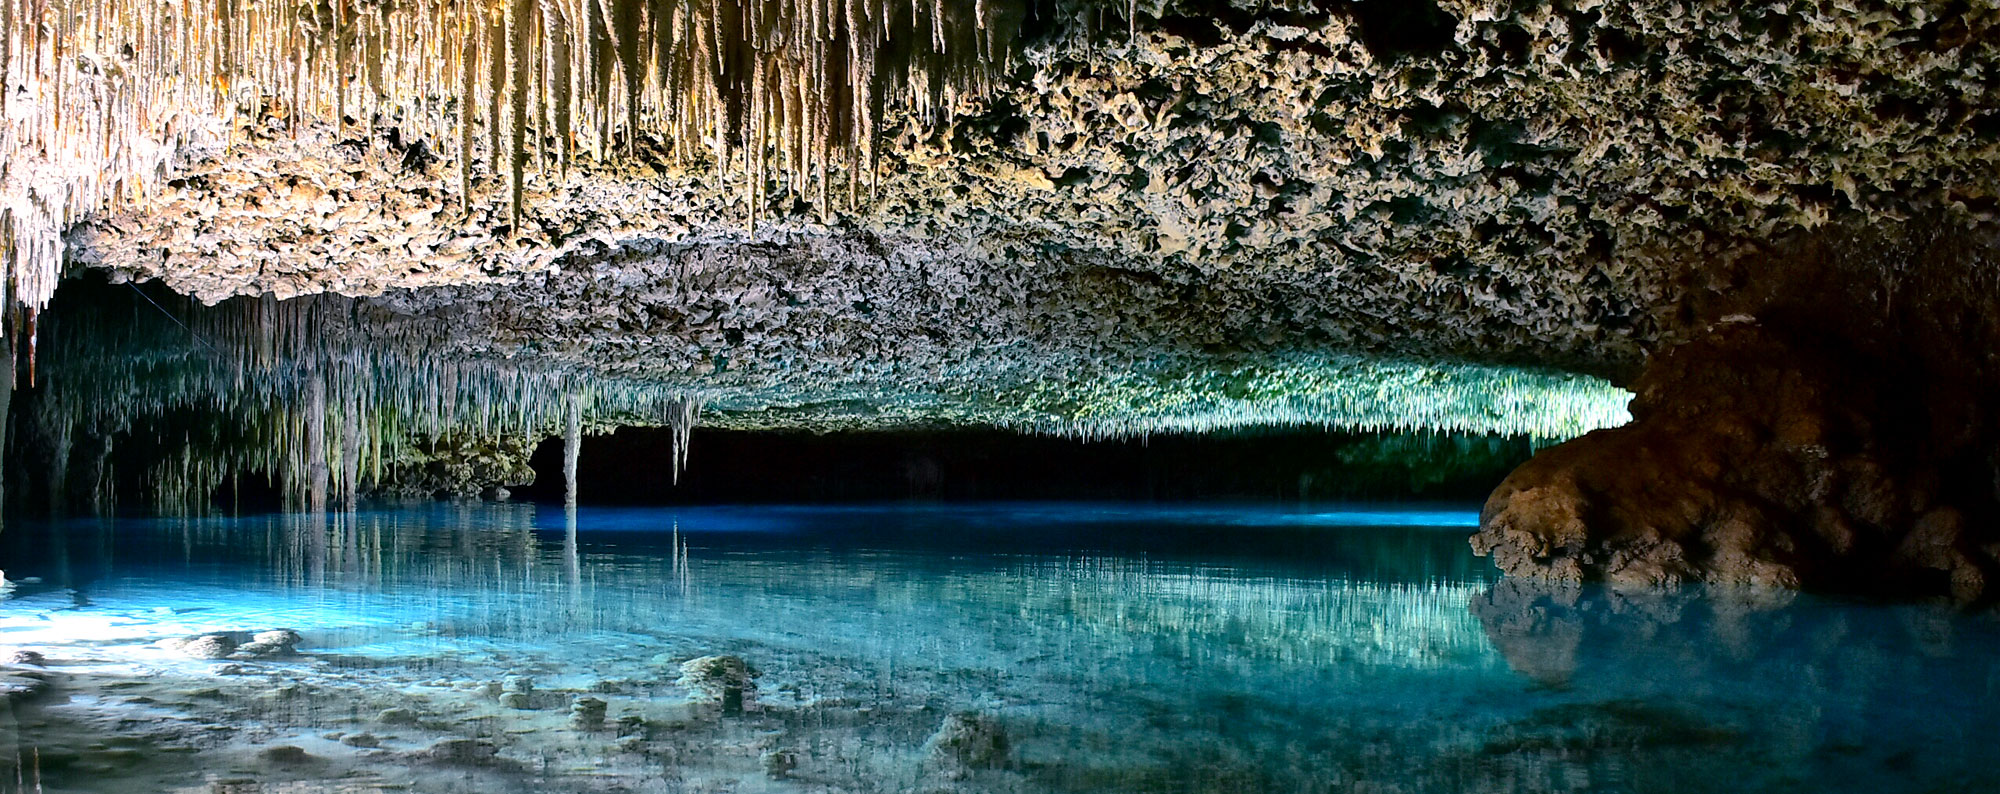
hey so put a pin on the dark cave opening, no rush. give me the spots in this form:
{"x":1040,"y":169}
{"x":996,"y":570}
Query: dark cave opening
{"x":632,"y":466}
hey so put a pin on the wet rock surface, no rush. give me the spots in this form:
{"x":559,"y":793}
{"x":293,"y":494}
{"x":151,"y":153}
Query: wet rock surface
{"x":723,"y":682}
{"x":269,"y":644}
{"x":238,"y":645}
{"x":966,"y":741}
{"x":19,"y":686}
{"x":1835,"y":434}
{"x":206,"y":646}
{"x":460,"y":466}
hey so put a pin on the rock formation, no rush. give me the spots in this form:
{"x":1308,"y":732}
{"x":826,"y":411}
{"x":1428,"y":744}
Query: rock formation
{"x":1471,"y":179}
{"x":1831,"y":429}
{"x":1065,"y":214}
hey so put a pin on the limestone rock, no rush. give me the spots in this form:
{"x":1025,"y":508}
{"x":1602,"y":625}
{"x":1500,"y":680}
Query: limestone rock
{"x":779,"y":764}
{"x":462,"y":752}
{"x":1527,"y":182}
{"x":1817,"y":435}
{"x":724,"y":681}
{"x":271,"y":644}
{"x":396,"y":716}
{"x":285,"y":755}
{"x":206,"y":646}
{"x":19,"y":687}
{"x":968,"y":740}
{"x":587,"y":713}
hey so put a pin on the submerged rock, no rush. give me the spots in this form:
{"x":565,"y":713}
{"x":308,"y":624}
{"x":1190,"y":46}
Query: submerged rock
{"x":269,"y":644}
{"x":463,"y":752}
{"x":26,"y":657}
{"x":514,"y":692}
{"x":285,"y":754}
{"x":274,"y":643}
{"x":587,"y":713}
{"x":778,"y":764}
{"x":18,"y":687}
{"x":206,"y":646}
{"x":632,"y":726}
{"x":968,"y":740}
{"x":396,"y":716}
{"x":725,"y":681}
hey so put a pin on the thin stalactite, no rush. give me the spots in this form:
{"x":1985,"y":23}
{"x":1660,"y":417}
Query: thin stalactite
{"x":520,"y":19}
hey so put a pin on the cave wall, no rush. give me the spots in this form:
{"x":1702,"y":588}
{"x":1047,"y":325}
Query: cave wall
{"x":1830,"y":428}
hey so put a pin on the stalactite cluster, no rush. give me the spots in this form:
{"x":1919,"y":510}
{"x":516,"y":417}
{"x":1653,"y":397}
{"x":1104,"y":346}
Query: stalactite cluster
{"x":681,"y":416}
{"x":302,"y":392}
{"x":100,"y":96}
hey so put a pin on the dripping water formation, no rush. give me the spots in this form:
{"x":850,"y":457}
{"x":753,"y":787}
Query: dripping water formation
{"x":113,"y":94}
{"x":998,"y":396}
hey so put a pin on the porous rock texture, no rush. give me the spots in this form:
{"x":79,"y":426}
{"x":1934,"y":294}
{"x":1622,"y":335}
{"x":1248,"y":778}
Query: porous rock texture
{"x":1838,"y":436}
{"x":1477,"y":179}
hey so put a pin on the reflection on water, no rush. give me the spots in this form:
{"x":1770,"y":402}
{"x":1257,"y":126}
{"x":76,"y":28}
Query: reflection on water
{"x":1009,"y":647}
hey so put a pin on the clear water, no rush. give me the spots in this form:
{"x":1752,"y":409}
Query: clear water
{"x":1116,"y":648}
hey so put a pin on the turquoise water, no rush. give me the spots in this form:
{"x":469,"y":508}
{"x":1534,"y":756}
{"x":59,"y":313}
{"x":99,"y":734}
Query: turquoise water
{"x":1098,"y":647}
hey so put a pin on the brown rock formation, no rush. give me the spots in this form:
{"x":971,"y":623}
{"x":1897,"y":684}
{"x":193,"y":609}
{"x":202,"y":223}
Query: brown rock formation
{"x":1829,"y":431}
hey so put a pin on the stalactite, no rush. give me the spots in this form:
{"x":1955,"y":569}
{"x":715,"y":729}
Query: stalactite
{"x":469,"y":56}
{"x":317,"y":471}
{"x":101,"y":479}
{"x":602,"y":63}
{"x":496,"y":91}
{"x":626,"y":18}
{"x":340,"y":67}
{"x":796,"y":88}
{"x":559,"y":79}
{"x":350,"y":448}
{"x":572,"y":444}
{"x":681,"y":416}
{"x":58,"y":430}
{"x":519,"y":21}
{"x":539,"y":47}
{"x":381,"y":398}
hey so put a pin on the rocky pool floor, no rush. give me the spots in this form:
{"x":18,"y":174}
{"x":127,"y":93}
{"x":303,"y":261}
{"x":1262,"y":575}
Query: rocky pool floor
{"x":970,"y":648}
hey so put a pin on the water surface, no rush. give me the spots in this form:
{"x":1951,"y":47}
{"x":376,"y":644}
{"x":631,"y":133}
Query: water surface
{"x":1107,"y":646}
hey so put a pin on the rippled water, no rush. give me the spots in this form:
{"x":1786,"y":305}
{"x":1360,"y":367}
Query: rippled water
{"x":1090,"y":647}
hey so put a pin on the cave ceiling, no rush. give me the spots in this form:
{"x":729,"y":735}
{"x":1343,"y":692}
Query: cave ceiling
{"x":898,"y":197}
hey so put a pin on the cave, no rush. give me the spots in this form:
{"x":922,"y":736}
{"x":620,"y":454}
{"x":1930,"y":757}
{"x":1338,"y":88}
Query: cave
{"x":1066,"y":395}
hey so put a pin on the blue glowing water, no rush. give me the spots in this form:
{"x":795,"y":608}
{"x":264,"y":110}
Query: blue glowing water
{"x":1117,"y":647}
